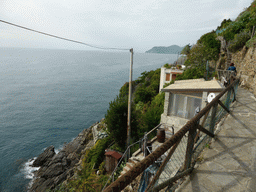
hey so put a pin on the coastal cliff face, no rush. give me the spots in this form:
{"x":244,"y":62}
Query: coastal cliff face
{"x":56,"y":168}
{"x":245,"y":62}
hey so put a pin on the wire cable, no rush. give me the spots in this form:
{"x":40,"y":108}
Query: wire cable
{"x":47,"y":34}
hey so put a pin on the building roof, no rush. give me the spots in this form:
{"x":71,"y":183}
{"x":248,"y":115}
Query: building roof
{"x":188,"y":81}
{"x":113,"y":154}
{"x":194,"y":85}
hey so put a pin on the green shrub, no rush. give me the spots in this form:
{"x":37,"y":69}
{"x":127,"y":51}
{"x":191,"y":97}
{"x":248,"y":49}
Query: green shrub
{"x":167,"y":66}
{"x":139,"y":106}
{"x":206,"y":49}
{"x":244,"y":22}
{"x":144,"y":94}
{"x":209,"y":41}
{"x":116,"y":119}
{"x":148,"y":87}
{"x":167,"y":84}
{"x":224,"y":24}
{"x":239,"y":41}
{"x":251,"y":42}
{"x":191,"y":73}
{"x":151,"y":115}
{"x":95,"y":155}
{"x":186,"y":49}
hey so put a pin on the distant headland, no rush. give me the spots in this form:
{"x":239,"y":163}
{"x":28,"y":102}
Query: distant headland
{"x":173,"y":49}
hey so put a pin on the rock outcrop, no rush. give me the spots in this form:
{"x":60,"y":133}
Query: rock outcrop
{"x":245,"y":62}
{"x":56,"y":168}
{"x":45,"y":157}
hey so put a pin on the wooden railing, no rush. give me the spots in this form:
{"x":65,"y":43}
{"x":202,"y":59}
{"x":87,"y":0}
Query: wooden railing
{"x":199,"y":130}
{"x":226,"y":76}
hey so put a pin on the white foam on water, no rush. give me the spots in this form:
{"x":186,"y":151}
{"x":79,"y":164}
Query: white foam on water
{"x":28,"y":170}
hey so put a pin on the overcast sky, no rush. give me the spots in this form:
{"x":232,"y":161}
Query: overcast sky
{"x":140,"y":24}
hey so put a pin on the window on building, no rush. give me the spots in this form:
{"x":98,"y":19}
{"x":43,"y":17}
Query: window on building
{"x":184,"y":106}
{"x":167,"y":77}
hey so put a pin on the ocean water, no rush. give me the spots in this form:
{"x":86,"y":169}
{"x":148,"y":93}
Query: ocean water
{"x":48,"y":97}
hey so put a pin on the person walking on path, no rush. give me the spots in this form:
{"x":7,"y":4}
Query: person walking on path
{"x":232,"y":68}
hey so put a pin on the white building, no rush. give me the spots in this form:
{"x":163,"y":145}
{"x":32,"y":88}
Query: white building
{"x":183,"y":97}
{"x":167,"y":75}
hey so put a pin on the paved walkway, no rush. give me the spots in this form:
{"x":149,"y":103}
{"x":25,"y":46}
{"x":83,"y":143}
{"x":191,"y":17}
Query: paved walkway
{"x":230,"y":162}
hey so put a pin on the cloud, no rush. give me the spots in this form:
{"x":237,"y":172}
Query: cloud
{"x":144,"y":23}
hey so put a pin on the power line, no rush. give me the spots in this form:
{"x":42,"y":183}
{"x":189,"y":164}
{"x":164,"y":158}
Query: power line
{"x":47,"y":34}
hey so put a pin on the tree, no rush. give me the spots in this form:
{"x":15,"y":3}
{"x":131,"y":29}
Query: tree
{"x":191,"y":73}
{"x":151,"y":114}
{"x":116,"y":120}
{"x":206,"y":49}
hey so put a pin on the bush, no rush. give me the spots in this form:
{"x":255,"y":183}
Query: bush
{"x":144,"y":94}
{"x":225,"y":23}
{"x":186,"y":49}
{"x":116,"y":120}
{"x":239,"y":41}
{"x":167,"y":66}
{"x":251,"y":42}
{"x":206,"y":49}
{"x":95,"y":155}
{"x":148,"y":87}
{"x":151,"y":115}
{"x":167,"y":84}
{"x":244,"y":22}
{"x":191,"y":73}
{"x":86,"y":179}
{"x":209,"y":41}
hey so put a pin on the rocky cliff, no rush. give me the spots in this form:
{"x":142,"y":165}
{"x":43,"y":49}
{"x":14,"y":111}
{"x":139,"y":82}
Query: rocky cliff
{"x":245,"y":62}
{"x":56,"y":168}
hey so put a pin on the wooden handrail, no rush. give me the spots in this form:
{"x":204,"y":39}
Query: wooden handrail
{"x":129,"y":176}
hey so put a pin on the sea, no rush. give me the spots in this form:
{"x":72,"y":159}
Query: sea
{"x":49,"y":96}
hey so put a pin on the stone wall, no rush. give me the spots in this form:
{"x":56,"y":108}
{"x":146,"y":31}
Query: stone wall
{"x":177,"y":122}
{"x":245,"y":62}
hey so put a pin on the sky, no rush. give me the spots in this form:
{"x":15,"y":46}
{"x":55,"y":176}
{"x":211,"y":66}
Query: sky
{"x":128,"y":24}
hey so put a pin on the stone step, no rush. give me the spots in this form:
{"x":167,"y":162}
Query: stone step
{"x":126,"y":168}
{"x":133,"y":160}
{"x":122,"y":173}
{"x":139,"y":158}
{"x":130,"y":165}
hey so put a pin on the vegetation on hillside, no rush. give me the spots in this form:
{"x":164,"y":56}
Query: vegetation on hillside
{"x":206,"y":49}
{"x":86,"y":178}
{"x":238,"y":32}
{"x":186,"y":49}
{"x":146,"y":102}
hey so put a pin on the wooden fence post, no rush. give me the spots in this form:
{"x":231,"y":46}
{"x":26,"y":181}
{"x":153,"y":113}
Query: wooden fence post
{"x":213,"y":115}
{"x":190,"y":147}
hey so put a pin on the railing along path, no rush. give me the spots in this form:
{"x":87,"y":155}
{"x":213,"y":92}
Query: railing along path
{"x":212,"y":115}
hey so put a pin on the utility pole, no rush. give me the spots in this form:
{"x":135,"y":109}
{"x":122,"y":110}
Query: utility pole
{"x":129,"y":105}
